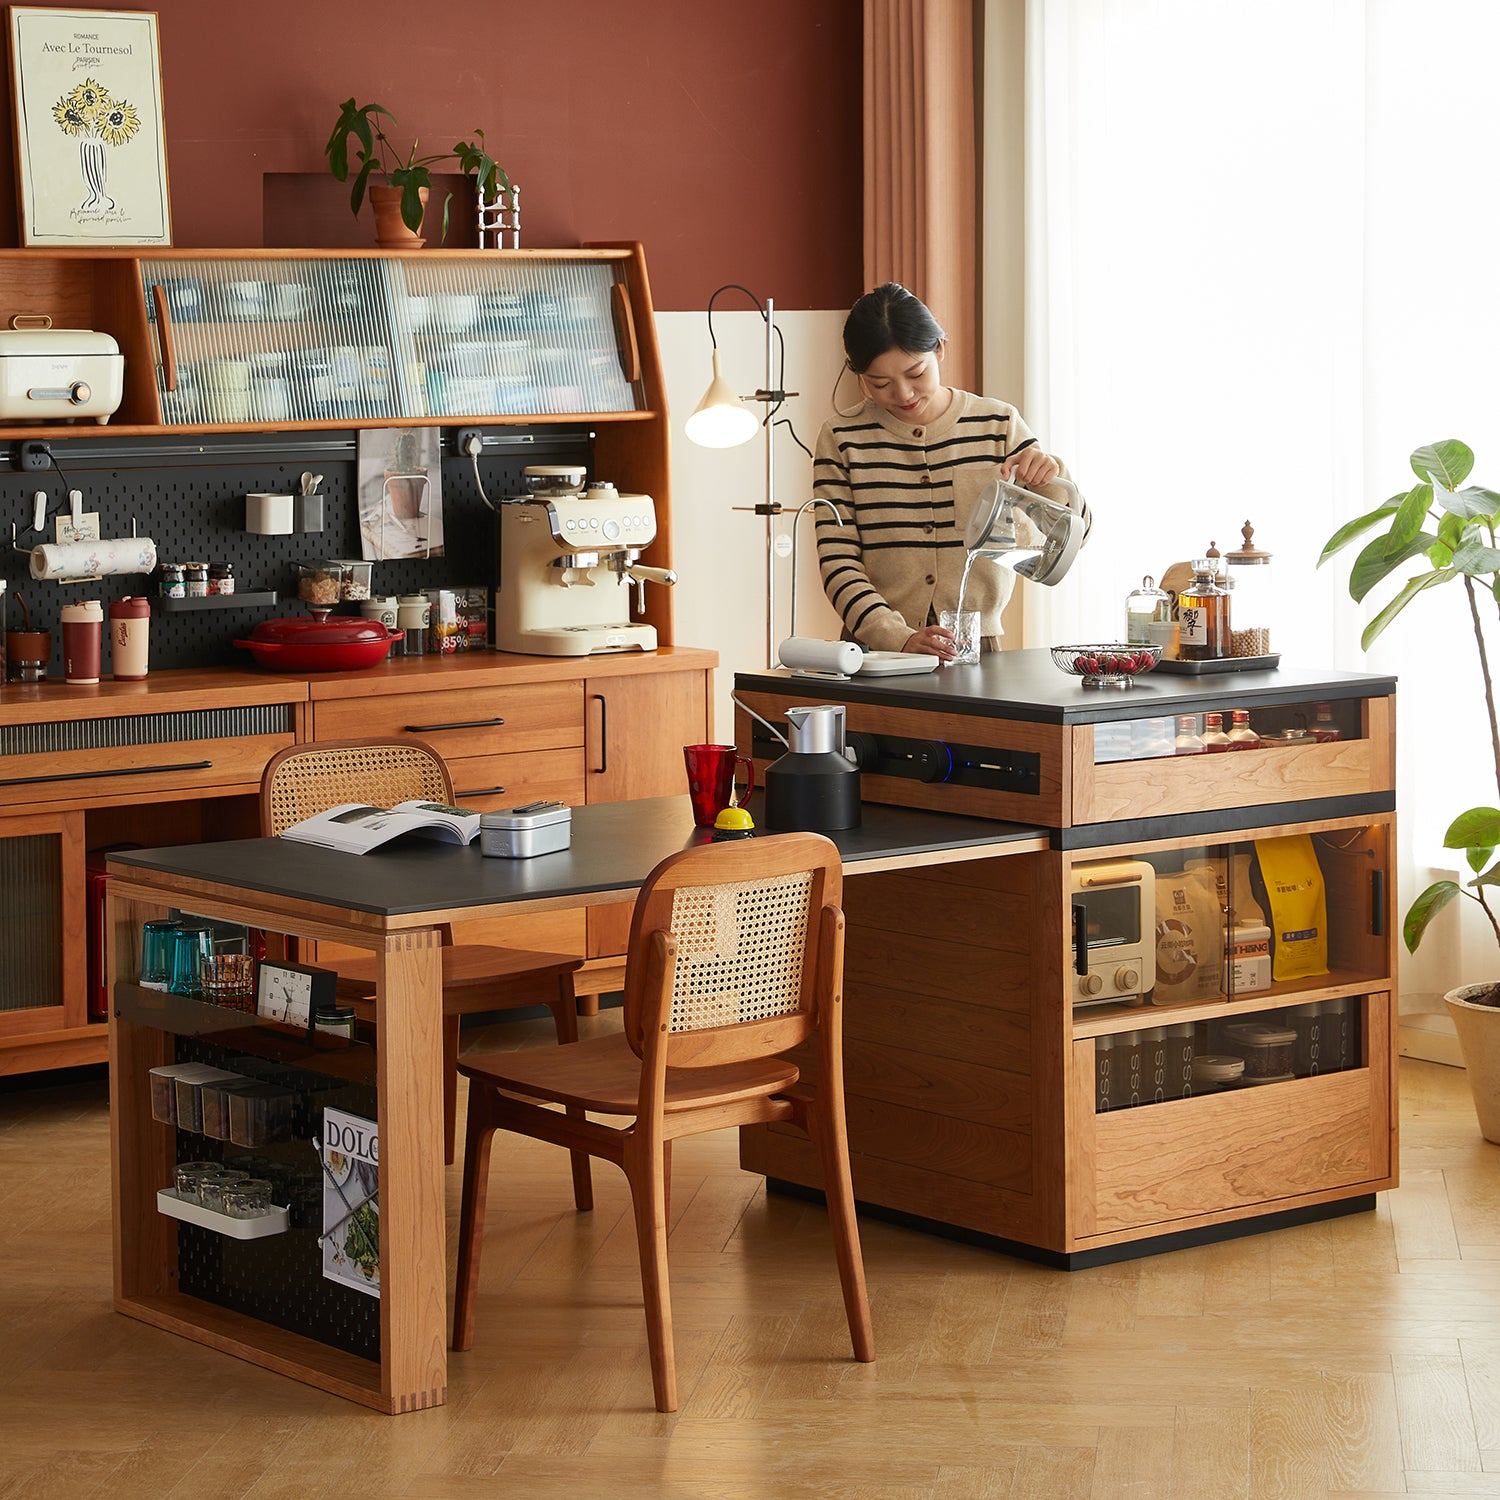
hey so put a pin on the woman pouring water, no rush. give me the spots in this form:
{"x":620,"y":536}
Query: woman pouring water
{"x":905,"y":469}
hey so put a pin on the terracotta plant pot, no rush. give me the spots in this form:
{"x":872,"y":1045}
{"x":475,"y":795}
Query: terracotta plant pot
{"x":391,"y":232}
{"x":1478,"y":1028}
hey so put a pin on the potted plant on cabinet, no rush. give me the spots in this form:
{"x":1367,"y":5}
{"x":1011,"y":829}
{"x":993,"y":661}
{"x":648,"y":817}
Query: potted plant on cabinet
{"x":400,"y":201}
{"x":1451,"y":526}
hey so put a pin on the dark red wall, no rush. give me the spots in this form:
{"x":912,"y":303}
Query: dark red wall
{"x":726,"y":138}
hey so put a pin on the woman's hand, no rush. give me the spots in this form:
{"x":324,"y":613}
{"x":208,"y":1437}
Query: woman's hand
{"x":933,"y":640}
{"x":1031,"y":469}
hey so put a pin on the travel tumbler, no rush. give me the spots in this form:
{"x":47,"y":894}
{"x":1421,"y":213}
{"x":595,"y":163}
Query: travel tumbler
{"x":82,"y":632}
{"x":129,"y":633}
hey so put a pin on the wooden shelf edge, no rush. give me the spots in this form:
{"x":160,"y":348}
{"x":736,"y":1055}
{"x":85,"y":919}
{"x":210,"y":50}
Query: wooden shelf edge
{"x":39,"y":1051}
{"x":289,"y":1354}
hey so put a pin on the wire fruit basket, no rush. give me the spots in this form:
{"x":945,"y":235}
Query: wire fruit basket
{"x":1113,"y":666}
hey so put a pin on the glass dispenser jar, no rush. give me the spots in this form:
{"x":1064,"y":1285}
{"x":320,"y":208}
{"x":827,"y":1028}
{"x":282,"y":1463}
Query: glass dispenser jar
{"x":1250,"y":580}
{"x":1148,"y":615}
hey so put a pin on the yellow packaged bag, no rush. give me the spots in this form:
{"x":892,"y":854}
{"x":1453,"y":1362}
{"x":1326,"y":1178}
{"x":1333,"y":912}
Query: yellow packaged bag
{"x":1290,"y":891}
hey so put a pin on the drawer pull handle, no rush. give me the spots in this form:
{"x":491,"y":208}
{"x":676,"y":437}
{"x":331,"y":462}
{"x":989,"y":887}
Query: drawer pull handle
{"x":181,"y":765}
{"x":457,"y":724}
{"x":483,"y":791}
{"x":1080,"y":937}
{"x":603,"y":703}
{"x":1377,"y":903}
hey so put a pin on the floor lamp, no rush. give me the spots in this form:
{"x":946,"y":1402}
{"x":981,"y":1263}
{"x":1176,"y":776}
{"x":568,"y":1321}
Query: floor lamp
{"x":722,"y":420}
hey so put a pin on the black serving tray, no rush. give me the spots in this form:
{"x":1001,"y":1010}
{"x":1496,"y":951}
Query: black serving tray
{"x":1219,"y":664}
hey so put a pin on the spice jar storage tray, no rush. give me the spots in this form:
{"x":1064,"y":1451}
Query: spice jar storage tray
{"x":252,"y":599}
{"x":275,"y":1222}
{"x":1219,"y":664}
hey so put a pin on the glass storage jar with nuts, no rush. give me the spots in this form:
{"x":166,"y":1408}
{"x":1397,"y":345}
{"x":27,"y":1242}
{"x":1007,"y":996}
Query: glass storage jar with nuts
{"x":320,"y":584}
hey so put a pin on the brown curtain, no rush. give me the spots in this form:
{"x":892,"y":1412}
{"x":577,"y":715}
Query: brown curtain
{"x":921,"y":185}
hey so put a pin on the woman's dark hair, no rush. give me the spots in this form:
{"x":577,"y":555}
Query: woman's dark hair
{"x":888,"y":318}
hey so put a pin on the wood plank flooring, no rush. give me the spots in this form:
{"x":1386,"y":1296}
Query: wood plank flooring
{"x":1356,"y":1359}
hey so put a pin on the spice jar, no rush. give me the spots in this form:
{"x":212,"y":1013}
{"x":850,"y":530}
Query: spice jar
{"x":381,"y":608}
{"x":221,"y":578}
{"x":1250,"y":579}
{"x":196,"y":576}
{"x":171,"y":581}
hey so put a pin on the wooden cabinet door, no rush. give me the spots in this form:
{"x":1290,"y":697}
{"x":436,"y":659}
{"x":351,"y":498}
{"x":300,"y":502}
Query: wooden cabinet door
{"x":635,"y":728}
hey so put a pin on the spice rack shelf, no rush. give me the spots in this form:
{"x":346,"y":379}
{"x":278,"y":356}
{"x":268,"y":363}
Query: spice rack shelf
{"x":258,"y":1228}
{"x":257,"y":1035}
{"x":261,"y":599}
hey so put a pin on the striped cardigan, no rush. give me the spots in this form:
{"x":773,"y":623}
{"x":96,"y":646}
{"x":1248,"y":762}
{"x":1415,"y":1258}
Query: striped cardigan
{"x":905,"y":494}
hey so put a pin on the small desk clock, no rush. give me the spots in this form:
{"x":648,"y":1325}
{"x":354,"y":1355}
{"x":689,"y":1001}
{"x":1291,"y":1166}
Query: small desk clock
{"x":293,"y":993}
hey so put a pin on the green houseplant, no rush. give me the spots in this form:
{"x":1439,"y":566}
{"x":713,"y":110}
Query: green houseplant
{"x":408,"y":178}
{"x":1451,"y":527}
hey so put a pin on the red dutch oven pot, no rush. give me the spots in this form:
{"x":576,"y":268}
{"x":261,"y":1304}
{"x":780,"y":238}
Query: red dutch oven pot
{"x":339,"y":644}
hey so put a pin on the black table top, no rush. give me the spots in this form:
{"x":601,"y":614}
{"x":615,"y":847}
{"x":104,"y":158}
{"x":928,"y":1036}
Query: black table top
{"x":615,"y":846}
{"x":1026,"y":685}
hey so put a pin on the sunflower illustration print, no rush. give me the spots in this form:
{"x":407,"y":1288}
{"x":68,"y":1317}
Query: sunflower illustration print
{"x":96,"y":120}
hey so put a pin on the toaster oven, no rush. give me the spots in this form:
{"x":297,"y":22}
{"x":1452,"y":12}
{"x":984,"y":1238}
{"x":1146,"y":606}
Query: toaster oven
{"x":1114,"y":931}
{"x":59,"y":375}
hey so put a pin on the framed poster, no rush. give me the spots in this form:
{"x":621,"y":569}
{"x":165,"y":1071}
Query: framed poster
{"x":400,"y":473}
{"x":91,"y":156}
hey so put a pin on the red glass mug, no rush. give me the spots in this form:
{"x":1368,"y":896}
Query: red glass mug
{"x":710,"y":771}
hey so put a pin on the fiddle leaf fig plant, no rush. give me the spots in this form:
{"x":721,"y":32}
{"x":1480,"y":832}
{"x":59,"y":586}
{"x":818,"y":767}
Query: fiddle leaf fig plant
{"x":360,"y":125}
{"x":1452,"y":527}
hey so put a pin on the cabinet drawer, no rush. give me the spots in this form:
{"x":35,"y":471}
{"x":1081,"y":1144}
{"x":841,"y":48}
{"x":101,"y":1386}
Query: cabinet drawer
{"x":1245,"y":1149}
{"x":137,"y":757}
{"x":483,"y":721}
{"x":484,"y":783}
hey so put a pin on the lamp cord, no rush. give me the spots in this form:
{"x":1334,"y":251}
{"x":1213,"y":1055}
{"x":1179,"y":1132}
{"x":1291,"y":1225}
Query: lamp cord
{"x":778,"y":396}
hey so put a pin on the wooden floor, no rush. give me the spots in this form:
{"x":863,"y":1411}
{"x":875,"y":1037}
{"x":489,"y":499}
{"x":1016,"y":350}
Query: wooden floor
{"x":1357,"y":1358}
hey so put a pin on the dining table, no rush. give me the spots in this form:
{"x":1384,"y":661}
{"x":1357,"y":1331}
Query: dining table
{"x":269,"y":1300}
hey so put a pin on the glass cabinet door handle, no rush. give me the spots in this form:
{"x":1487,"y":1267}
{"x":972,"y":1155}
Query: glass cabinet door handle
{"x":1080,"y":937}
{"x":164,"y":334}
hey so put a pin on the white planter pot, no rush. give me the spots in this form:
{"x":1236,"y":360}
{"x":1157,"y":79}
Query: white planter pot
{"x":1478,"y":1029}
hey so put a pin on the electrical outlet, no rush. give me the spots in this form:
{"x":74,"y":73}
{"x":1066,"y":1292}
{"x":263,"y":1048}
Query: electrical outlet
{"x":468,"y":442}
{"x":86,"y":530}
{"x":32,"y":456}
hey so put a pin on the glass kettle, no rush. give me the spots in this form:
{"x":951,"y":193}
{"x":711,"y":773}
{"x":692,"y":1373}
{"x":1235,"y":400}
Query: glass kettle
{"x":1036,"y":538}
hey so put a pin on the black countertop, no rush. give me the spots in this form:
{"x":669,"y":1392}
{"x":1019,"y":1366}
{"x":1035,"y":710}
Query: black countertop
{"x":1026,"y":685}
{"x":615,"y":846}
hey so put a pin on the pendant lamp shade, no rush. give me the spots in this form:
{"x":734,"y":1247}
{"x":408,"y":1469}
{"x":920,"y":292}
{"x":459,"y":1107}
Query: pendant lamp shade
{"x":721,"y":419}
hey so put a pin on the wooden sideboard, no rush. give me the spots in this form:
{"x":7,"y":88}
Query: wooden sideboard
{"x":177,"y":758}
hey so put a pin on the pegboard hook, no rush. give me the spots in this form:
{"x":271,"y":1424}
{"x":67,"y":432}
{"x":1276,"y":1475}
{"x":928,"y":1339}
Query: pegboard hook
{"x":14,"y":545}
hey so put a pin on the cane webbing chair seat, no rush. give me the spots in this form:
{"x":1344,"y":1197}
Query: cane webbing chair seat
{"x":303,"y":780}
{"x":735,"y":957}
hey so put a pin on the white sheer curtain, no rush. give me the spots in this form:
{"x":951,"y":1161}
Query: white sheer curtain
{"x":1259,"y":271}
{"x":1194,"y":214}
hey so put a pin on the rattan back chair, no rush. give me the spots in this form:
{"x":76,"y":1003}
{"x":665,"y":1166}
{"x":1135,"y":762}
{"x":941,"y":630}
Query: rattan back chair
{"x":736,"y":955}
{"x":306,"y":779}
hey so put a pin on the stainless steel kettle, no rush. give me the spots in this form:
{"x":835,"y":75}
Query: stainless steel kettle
{"x":1033,"y":536}
{"x":814,"y":787}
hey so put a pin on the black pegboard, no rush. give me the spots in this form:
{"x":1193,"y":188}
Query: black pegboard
{"x":188,"y":494}
{"x":278,"y":1279}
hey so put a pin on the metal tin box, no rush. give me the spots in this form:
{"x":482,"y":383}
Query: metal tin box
{"x":52,"y":374}
{"x":521,"y":832}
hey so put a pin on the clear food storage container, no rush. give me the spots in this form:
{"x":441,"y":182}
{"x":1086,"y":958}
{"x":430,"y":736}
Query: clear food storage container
{"x":1268,"y":1050}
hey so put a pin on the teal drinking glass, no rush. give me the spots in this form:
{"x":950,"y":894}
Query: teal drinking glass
{"x":190,"y":946}
{"x":156,"y":954}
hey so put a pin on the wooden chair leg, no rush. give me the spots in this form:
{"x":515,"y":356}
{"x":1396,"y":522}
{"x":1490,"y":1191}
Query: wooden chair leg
{"x":565,"y":1018}
{"x":830,"y":1136}
{"x":478,"y":1136}
{"x":450,"y":1087}
{"x":644,"y":1169}
{"x":587,"y":1005}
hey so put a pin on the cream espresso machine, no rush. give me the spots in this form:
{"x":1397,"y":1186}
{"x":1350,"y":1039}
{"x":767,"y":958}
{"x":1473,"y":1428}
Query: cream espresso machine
{"x":568,"y":562}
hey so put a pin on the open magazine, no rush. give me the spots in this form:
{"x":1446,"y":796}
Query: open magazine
{"x":356,"y":828}
{"x":350,"y":1151}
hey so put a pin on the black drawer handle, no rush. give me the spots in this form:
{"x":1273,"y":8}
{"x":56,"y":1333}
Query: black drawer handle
{"x":457,"y":724}
{"x":1080,"y":937}
{"x":483,"y":791}
{"x":1377,"y":903}
{"x":182,"y":765}
{"x":603,"y":765}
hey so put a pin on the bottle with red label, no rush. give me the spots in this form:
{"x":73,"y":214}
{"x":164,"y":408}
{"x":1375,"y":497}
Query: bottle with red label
{"x":1241,"y":735}
{"x":1189,"y":741}
{"x":1323,"y":728}
{"x":1215,"y":741}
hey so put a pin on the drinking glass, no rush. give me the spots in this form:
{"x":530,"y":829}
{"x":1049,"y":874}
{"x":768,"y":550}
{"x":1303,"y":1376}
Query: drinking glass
{"x":710,"y":771}
{"x":964,"y":624}
{"x":190,"y":946}
{"x":156,"y":954}
{"x":228,"y":979}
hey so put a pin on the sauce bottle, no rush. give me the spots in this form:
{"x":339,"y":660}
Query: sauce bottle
{"x":1323,"y":727}
{"x":1203,"y":614}
{"x":1188,"y":741}
{"x":1241,"y":735}
{"x":1214,"y":739}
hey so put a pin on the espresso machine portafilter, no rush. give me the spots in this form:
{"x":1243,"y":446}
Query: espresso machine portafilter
{"x":569,"y":562}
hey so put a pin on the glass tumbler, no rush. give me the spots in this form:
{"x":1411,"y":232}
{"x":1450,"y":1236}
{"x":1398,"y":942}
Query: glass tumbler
{"x":212,"y":1188}
{"x":190,"y":946}
{"x":249,"y":1199}
{"x":189,"y":1178}
{"x":228,"y":979}
{"x":156,"y":954}
{"x":964,"y":624}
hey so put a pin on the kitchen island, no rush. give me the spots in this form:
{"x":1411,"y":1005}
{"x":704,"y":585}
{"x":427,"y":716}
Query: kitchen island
{"x":1007,"y":1081}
